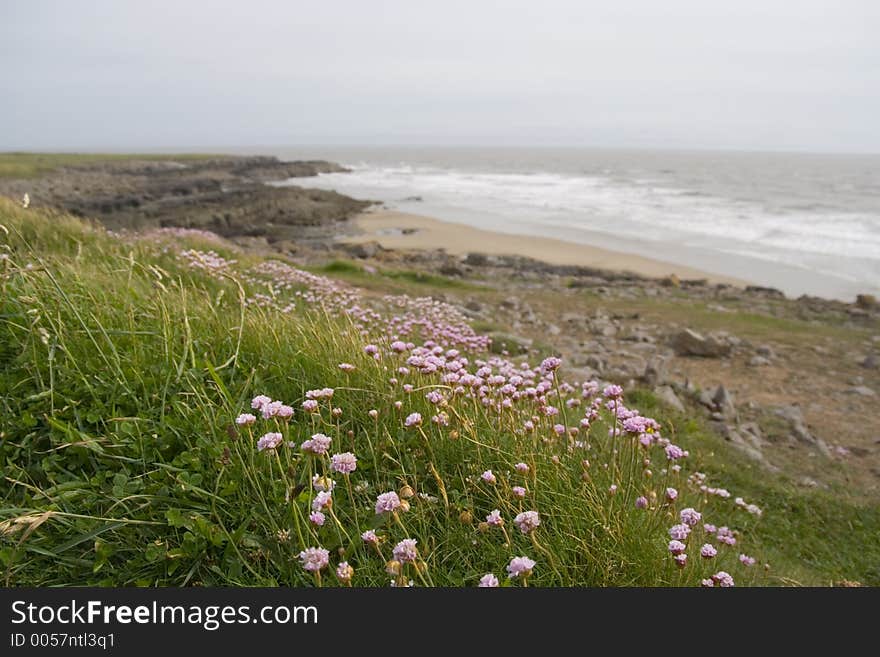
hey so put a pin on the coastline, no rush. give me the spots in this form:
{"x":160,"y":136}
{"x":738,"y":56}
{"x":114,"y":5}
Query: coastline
{"x":397,"y":230}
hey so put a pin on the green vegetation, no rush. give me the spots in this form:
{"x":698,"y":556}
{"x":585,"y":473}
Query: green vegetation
{"x":123,"y":368}
{"x":31,"y":165}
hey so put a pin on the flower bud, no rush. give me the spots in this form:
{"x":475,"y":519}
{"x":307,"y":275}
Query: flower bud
{"x":466,"y":517}
{"x":393,"y":567}
{"x":406,"y":492}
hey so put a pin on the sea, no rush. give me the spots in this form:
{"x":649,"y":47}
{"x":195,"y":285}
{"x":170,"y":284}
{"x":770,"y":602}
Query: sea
{"x":800,"y":222}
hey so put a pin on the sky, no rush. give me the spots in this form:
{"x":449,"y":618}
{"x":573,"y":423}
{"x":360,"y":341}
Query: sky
{"x":690,"y":74}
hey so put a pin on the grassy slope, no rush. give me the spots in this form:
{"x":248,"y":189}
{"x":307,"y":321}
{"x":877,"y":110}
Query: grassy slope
{"x":30,"y":165}
{"x":121,"y":371}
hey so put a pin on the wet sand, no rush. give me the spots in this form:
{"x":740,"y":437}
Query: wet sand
{"x":398,"y":230}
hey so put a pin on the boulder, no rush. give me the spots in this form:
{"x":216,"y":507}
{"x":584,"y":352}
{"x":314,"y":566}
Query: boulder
{"x":691,"y":343}
{"x":667,"y":395}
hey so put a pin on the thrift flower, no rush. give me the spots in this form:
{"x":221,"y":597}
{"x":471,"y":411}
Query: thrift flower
{"x":677,"y":547}
{"x":318,"y":444}
{"x":405,"y":551}
{"x":671,"y":494}
{"x":522,"y":468}
{"x":495,"y":518}
{"x":387,"y":502}
{"x":708,"y":551}
{"x":641,"y":502}
{"x":520,"y":567}
{"x":527,"y":521}
{"x":269,"y":441}
{"x":344,"y":572}
{"x":370,"y":537}
{"x":679,"y":532}
{"x":488,"y":581}
{"x":723,"y":579}
{"x":317,"y":518}
{"x":690,"y":516}
{"x":245,"y":419}
{"x":413,"y":420}
{"x":488,"y":477}
{"x":259,"y":401}
{"x":746,"y":560}
{"x":519,"y":491}
{"x":344,"y":463}
{"x":314,"y":559}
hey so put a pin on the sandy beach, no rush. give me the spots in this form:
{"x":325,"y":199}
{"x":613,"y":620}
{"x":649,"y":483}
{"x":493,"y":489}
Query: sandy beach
{"x":399,"y":230}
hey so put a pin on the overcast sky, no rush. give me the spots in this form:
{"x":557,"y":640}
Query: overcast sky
{"x":749,"y":74}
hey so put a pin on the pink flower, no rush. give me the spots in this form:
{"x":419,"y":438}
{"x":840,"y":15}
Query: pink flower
{"x":679,"y":532}
{"x":318,"y":444}
{"x":413,"y":420}
{"x":723,"y":579}
{"x":245,"y":419}
{"x":488,"y":581}
{"x":488,"y":477}
{"x":671,"y":494}
{"x":708,"y":551}
{"x":522,"y":468}
{"x":310,"y":405}
{"x":314,"y":559}
{"x":370,"y":537}
{"x":746,"y":560}
{"x":709,"y":529}
{"x":550,"y":364}
{"x":677,"y":547}
{"x":690,"y":516}
{"x":495,"y":519}
{"x":520,"y":567}
{"x":612,"y":489}
{"x":613,"y":392}
{"x":344,"y":572}
{"x":405,"y":551}
{"x":320,"y":483}
{"x":519,"y":491}
{"x":527,"y":521}
{"x":259,"y":401}
{"x":322,"y":500}
{"x":680,"y":560}
{"x":344,"y":463}
{"x":373,"y":413}
{"x":269,"y":441}
{"x":707,"y":583}
{"x":346,"y":367}
{"x":387,"y":502}
{"x":674,"y":452}
{"x":317,"y":518}
{"x":284,"y":411}
{"x":641,"y":502}
{"x":271,"y":409}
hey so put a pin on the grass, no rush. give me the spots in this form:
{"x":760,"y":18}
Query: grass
{"x":122,"y":370}
{"x":31,"y":165}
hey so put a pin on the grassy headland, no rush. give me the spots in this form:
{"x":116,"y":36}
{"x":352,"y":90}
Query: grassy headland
{"x":126,"y":361}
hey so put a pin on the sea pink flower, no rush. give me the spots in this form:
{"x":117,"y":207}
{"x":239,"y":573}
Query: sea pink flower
{"x":519,"y":491}
{"x":320,"y":483}
{"x":413,"y":420}
{"x":314,"y":559}
{"x":681,"y":560}
{"x":346,"y":367}
{"x":707,"y":583}
{"x":494,"y":518}
{"x":317,"y":518}
{"x":322,"y":499}
{"x":676,"y":547}
{"x":488,"y":581}
{"x":318,"y":444}
{"x":387,"y":502}
{"x":488,"y":477}
{"x":527,"y":521}
{"x":269,"y":441}
{"x":245,"y":419}
{"x":723,"y":579}
{"x":613,"y":392}
{"x":344,"y":572}
{"x":746,"y":560}
{"x":271,"y":409}
{"x":679,"y":532}
{"x":674,"y":452}
{"x":259,"y":401}
{"x":522,"y":468}
{"x":641,"y":502}
{"x":284,"y":411}
{"x":344,"y":463}
{"x":405,"y":551}
{"x":612,"y":489}
{"x":690,"y":516}
{"x":708,"y":551}
{"x":520,"y":567}
{"x":709,"y":529}
{"x":671,"y":494}
{"x":310,"y":405}
{"x":370,"y":537}
{"x":373,"y":413}
{"x":550,"y":364}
